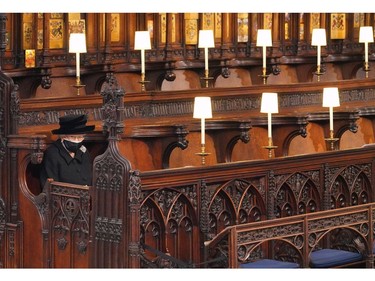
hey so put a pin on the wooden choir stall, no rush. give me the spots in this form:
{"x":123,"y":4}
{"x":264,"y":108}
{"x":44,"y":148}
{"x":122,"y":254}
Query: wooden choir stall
{"x":174,"y":191}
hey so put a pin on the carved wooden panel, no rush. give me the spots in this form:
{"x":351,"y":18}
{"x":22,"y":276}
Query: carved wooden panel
{"x":168,"y":217}
{"x":293,"y":239}
{"x":69,"y":215}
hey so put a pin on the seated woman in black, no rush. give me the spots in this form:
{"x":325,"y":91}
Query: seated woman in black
{"x":67,"y":159}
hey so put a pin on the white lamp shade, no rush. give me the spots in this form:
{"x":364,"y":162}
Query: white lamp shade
{"x":269,"y":103}
{"x":77,"y":43}
{"x":202,"y":107}
{"x":206,"y":39}
{"x":264,"y":38}
{"x":319,"y":37}
{"x":142,"y":40}
{"x":331,"y":97}
{"x":366,"y":34}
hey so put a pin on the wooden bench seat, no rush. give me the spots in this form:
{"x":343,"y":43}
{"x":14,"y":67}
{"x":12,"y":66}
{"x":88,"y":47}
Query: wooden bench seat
{"x":324,"y":239}
{"x":328,"y":258}
{"x":269,"y":263}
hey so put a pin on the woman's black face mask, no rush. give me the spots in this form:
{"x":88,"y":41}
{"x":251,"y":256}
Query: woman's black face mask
{"x":72,"y":146}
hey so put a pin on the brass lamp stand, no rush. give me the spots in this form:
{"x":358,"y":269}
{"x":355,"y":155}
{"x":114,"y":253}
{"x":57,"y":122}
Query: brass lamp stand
{"x":143,"y":82}
{"x":203,"y":154}
{"x":318,"y":72}
{"x":270,"y":147}
{"x":78,"y":85}
{"x":366,"y":68}
{"x":206,"y":78}
{"x":331,"y":140}
{"x":264,"y":75}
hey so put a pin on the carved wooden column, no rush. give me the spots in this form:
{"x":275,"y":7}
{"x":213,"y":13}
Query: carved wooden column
{"x":170,"y":46}
{"x":115,"y":193}
{"x":276,"y":35}
{"x":3,"y":42}
{"x":6,"y":88}
{"x":226,"y":41}
{"x":46,"y":56}
{"x":108,"y":50}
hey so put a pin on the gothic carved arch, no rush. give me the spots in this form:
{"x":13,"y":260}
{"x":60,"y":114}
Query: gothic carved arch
{"x":236,"y":201}
{"x":297,"y":193}
{"x":350,"y":185}
{"x":278,"y":249}
{"x":344,"y":238}
{"x":152,"y":224}
{"x":167,"y":216}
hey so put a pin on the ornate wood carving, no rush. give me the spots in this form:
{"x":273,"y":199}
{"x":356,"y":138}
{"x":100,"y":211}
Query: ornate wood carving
{"x":8,"y":196}
{"x":112,"y":230}
{"x":68,"y":224}
{"x":293,"y":239}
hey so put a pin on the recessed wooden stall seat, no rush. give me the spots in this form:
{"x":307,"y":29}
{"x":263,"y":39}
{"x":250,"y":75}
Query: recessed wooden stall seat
{"x":52,"y":227}
{"x":33,"y":203}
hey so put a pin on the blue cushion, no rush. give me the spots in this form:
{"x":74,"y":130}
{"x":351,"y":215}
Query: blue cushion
{"x":331,"y":257}
{"x":267,"y":263}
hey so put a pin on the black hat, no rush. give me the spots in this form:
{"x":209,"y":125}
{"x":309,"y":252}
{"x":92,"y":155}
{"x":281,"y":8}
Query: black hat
{"x":73,"y":125}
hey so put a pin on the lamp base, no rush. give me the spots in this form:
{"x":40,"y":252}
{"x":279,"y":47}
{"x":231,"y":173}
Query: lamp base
{"x":331,"y":140}
{"x":264,"y":75}
{"x":207,"y":79}
{"x":366,"y":68}
{"x":78,"y":86}
{"x":270,"y":147}
{"x":143,"y":82}
{"x":203,"y":154}
{"x":318,"y":73}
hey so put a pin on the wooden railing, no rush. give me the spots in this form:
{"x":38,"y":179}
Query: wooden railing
{"x":194,"y":204}
{"x":294,"y":238}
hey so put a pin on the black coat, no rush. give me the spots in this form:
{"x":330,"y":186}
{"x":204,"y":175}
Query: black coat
{"x":60,"y":166}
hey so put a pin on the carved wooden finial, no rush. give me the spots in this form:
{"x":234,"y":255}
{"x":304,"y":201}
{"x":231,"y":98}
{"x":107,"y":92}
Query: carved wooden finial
{"x":113,"y":106}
